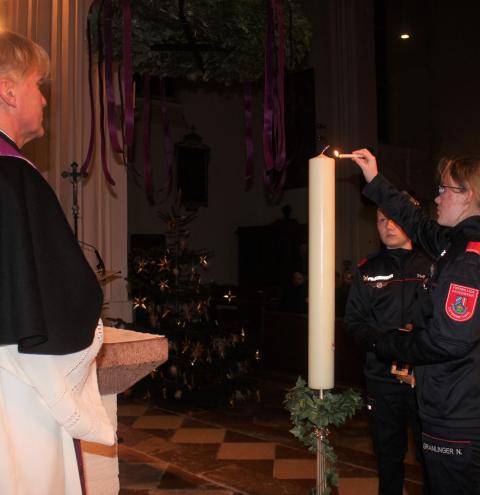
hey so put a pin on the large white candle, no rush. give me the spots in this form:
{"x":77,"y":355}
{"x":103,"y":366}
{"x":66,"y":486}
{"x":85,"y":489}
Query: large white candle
{"x":321,"y":272}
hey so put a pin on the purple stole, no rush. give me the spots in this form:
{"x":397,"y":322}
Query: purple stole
{"x":6,"y":149}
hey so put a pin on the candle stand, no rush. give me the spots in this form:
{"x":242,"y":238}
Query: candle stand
{"x":321,"y":434}
{"x":314,"y":407}
{"x":312,"y":411}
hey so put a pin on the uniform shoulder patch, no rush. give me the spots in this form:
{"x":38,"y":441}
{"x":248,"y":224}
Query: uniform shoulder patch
{"x":362,"y":262}
{"x":461,"y":302}
{"x":473,"y":247}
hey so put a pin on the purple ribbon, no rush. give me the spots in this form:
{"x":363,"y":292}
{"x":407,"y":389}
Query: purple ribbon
{"x":274,"y":146}
{"x":147,"y":160}
{"x":280,"y":161}
{"x":86,"y":163}
{"x":268,"y":93}
{"x":88,"y":158}
{"x":112,"y":117}
{"x":81,"y":470}
{"x":105,"y":59}
{"x":128,"y":72}
{"x":247,"y":106}
{"x":103,"y":146}
{"x":167,"y":138}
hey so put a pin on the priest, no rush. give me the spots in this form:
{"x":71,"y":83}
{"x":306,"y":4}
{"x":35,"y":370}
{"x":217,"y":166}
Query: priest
{"x":50,"y":304}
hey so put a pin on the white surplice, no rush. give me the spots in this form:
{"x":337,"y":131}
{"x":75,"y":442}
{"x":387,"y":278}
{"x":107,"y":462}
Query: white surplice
{"x":45,"y":401}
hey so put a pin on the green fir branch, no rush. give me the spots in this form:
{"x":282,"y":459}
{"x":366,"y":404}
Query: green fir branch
{"x":311,"y":416}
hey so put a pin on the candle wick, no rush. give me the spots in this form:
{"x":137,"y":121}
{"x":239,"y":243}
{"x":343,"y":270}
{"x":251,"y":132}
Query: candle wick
{"x":325,"y":149}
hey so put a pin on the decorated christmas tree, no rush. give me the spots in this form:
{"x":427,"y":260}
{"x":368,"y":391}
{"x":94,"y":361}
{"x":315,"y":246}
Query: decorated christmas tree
{"x":210,"y":354}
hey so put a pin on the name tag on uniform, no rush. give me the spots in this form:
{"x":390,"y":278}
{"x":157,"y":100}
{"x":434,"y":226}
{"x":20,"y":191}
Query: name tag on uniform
{"x":455,"y":449}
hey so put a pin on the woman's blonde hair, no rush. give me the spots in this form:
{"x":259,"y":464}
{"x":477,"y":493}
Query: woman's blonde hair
{"x":20,"y":56}
{"x":465,"y":171}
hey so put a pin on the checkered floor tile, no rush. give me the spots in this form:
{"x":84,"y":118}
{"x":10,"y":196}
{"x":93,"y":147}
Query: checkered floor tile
{"x":235,"y":449}
{"x":163,"y":451}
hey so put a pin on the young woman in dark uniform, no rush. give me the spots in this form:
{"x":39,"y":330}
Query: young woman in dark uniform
{"x":447,"y":351}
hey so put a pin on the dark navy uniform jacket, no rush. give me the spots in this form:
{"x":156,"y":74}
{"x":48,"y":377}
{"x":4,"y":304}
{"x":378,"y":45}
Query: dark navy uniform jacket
{"x":388,"y":291}
{"x":448,"y":382}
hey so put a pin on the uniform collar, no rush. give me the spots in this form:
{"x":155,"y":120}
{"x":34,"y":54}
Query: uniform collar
{"x":398,"y":251}
{"x":468,"y":228}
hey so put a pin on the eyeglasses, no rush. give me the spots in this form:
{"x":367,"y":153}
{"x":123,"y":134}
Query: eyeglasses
{"x":442,"y":188}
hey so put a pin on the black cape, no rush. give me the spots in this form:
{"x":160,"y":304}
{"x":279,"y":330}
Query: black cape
{"x":50,"y":300}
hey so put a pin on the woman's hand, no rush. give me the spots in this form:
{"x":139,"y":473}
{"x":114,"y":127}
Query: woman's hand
{"x":367,"y":162}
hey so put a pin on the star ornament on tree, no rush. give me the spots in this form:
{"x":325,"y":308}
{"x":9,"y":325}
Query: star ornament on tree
{"x":164,"y":263}
{"x":203,"y":261}
{"x":139,"y":303}
{"x":141,"y":266}
{"x":229,"y":296}
{"x":163,"y":284}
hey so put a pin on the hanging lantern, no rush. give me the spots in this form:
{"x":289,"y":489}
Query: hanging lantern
{"x":192,"y":170}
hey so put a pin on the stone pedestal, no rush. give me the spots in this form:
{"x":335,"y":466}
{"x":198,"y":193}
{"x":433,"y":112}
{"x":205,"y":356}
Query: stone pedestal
{"x":125,"y":358}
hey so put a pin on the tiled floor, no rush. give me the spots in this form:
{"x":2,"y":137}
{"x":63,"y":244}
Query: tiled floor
{"x":171,"y":449}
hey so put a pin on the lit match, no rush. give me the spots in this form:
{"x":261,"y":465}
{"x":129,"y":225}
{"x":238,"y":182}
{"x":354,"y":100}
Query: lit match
{"x":344,"y":155}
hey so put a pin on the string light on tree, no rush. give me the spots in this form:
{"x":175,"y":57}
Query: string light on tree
{"x":229,"y":296}
{"x":202,"y":345}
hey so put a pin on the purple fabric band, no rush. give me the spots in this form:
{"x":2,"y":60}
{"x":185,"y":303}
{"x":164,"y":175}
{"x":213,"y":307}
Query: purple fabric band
{"x":167,"y":138}
{"x":274,"y":146}
{"x":247,"y":105}
{"x":128,"y":72}
{"x":147,"y":161}
{"x":81,"y":471}
{"x":112,"y":117}
{"x":113,"y":120}
{"x":103,"y":150}
{"x":88,"y":158}
{"x":267,"y":93}
{"x":105,"y":61}
{"x":280,"y":97}
{"x":7,"y":149}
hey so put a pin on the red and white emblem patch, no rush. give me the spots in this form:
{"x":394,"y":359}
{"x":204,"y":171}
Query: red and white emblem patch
{"x":461,"y":302}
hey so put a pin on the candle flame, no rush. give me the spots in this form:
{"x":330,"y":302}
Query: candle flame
{"x":336,"y":153}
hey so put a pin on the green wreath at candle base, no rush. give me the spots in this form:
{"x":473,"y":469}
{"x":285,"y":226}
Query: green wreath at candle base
{"x":311,"y":417}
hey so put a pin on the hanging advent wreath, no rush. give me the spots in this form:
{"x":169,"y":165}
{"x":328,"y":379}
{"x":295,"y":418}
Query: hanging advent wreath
{"x":222,"y":41}
{"x":205,"y":40}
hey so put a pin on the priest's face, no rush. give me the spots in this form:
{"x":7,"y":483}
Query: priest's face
{"x":30,"y":103}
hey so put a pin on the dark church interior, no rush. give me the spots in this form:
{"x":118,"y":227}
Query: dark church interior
{"x":216,"y":261}
{"x":410,"y":101}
